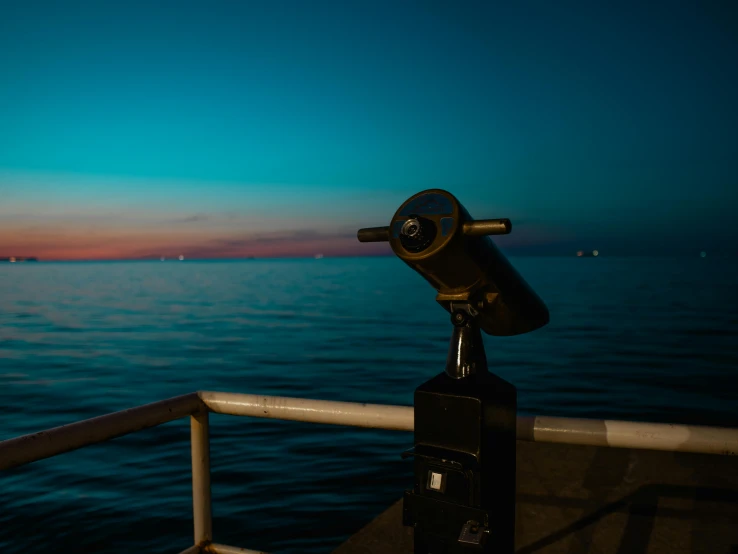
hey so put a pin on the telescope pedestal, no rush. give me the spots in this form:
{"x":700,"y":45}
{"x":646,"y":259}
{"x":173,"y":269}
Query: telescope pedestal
{"x":463,"y":499}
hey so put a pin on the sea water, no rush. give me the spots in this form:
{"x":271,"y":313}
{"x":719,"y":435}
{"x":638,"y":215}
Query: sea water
{"x":629,"y":338}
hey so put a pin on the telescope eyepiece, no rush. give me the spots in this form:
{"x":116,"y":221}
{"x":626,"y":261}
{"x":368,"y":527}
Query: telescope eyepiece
{"x":411,"y":228}
{"x":417,"y":233}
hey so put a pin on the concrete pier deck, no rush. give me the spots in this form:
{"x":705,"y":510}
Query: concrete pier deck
{"x":585,"y":499}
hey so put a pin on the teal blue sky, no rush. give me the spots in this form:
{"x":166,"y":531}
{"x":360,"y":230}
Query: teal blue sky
{"x":132,"y":129}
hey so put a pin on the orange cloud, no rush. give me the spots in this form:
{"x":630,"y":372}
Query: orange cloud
{"x":112,"y":244}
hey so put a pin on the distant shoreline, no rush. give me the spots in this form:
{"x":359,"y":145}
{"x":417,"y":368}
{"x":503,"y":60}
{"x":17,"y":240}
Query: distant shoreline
{"x":312,"y":258}
{"x":19,"y":259}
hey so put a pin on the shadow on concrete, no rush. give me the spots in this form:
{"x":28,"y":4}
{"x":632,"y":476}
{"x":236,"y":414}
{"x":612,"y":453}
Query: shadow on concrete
{"x":582,"y":499}
{"x":642,"y":509}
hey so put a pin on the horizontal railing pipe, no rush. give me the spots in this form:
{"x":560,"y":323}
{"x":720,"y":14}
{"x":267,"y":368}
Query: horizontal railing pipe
{"x":44,"y":444}
{"x":378,"y":416}
{"x":621,"y":434}
{"x":670,"y":437}
{"x":215,"y":548}
{"x":565,"y":430}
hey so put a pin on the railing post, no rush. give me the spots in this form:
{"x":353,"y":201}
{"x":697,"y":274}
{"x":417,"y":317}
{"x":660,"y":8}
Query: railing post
{"x":200,"y":443}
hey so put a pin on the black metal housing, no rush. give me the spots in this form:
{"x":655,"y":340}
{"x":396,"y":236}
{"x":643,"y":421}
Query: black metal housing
{"x":464,"y":432}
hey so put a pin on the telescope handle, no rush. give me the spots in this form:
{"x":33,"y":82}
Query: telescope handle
{"x":478,"y":228}
{"x":483,"y":227}
{"x":373,"y":234}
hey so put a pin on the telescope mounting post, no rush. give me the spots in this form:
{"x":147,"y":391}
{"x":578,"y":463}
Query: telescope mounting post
{"x":466,"y":354}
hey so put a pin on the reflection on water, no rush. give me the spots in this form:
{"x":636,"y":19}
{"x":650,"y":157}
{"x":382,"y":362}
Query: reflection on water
{"x":630,"y":339}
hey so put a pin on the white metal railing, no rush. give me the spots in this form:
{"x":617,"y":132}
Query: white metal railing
{"x":44,"y":444}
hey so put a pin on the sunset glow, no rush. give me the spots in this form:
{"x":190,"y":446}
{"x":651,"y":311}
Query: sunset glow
{"x":237,"y":129}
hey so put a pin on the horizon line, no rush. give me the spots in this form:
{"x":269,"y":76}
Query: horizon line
{"x":34,"y":259}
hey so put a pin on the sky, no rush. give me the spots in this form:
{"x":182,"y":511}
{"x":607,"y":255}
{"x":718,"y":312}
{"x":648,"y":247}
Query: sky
{"x":244,"y":128}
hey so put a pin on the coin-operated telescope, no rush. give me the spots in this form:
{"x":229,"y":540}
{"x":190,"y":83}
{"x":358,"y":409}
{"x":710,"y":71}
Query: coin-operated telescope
{"x":463,"y":499}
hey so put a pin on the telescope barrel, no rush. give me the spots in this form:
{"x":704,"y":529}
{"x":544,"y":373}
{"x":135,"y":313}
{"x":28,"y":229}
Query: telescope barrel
{"x":435,"y":235}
